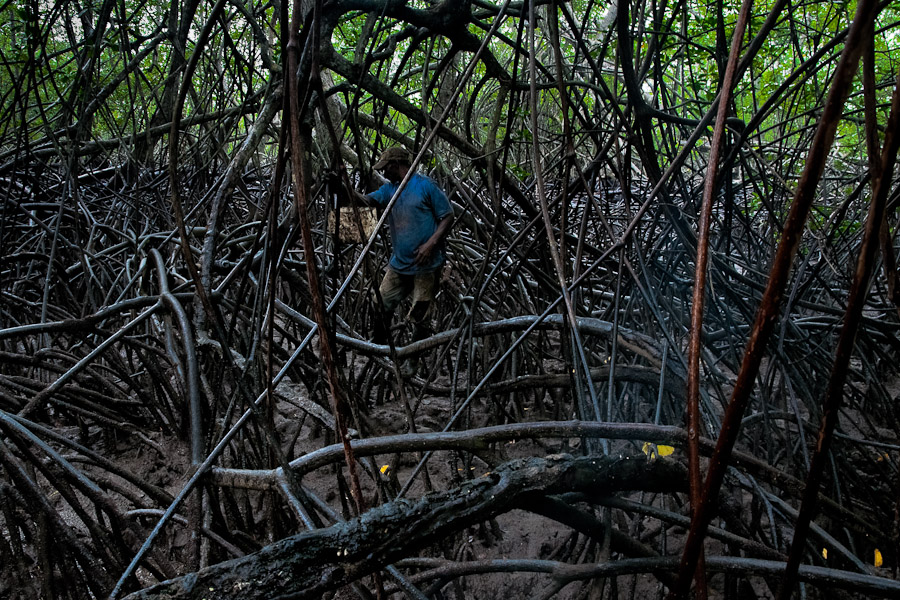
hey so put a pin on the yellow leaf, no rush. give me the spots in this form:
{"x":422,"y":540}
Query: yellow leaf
{"x":824,"y":552}
{"x":665,"y":450}
{"x":650,"y":450}
{"x":385,"y":469}
{"x":878,"y":559}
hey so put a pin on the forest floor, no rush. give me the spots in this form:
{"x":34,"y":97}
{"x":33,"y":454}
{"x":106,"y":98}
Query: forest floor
{"x":165,"y":462}
{"x":302,"y":426}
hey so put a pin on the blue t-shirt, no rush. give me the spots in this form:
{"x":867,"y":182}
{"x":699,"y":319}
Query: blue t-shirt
{"x":414,"y":219}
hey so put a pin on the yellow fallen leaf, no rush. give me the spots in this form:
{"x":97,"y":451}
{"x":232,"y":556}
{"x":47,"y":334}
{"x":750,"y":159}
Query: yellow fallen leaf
{"x":824,"y":552}
{"x":385,"y":469}
{"x":653,"y":450}
{"x":878,"y":559}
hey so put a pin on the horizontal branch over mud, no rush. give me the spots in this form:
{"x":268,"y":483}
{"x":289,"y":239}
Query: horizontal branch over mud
{"x":312,"y":563}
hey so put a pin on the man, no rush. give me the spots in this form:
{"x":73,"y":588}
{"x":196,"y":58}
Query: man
{"x":419,"y":221}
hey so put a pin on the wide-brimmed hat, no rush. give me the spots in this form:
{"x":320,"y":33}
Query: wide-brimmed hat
{"x":395,"y":154}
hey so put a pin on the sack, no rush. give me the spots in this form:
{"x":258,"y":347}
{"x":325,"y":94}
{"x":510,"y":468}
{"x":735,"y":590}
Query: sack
{"x":348,"y":229}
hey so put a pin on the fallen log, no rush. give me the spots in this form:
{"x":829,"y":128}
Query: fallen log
{"x":312,"y":563}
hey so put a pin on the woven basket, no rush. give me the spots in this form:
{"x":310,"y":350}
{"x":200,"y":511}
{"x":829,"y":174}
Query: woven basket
{"x":348,"y":231}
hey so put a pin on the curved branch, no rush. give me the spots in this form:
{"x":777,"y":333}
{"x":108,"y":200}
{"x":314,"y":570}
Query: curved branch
{"x":327,"y":559}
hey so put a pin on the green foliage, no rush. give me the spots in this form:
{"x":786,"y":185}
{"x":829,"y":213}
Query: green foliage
{"x":675,"y":57}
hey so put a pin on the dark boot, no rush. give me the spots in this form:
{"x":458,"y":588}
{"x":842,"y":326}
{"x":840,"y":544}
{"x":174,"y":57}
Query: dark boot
{"x":381,"y":328}
{"x":420,"y":332}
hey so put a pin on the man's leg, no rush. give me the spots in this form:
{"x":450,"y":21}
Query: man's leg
{"x":424,"y":290}
{"x":393,"y":289}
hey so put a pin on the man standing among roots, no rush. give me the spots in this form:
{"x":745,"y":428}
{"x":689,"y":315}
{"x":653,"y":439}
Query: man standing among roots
{"x":419,"y":222}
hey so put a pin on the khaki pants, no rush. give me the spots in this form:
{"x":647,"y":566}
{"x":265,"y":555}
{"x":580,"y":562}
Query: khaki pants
{"x":397,"y":286}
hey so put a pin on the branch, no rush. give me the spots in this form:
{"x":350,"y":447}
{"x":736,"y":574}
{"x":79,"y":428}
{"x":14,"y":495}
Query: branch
{"x":312,"y":563}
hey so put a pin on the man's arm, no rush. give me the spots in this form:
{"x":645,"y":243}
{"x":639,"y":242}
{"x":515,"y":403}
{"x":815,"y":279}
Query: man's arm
{"x":347,"y":195}
{"x":363,"y":199}
{"x":426,"y":250}
{"x":345,"y":200}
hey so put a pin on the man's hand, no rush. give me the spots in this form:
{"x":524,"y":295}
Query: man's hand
{"x":425,"y":252}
